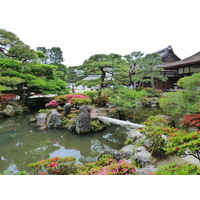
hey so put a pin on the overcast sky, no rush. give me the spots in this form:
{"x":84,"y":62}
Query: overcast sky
{"x":82,"y":28}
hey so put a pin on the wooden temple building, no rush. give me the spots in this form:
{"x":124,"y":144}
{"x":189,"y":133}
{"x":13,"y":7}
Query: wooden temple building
{"x":175,"y":68}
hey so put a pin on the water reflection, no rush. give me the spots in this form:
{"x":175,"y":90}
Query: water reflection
{"x":21,"y":143}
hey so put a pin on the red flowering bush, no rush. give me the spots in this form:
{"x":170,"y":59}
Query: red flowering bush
{"x":192,"y":120}
{"x":6,"y":97}
{"x":169,"y":140}
{"x":183,"y":144}
{"x":158,"y":131}
{"x":55,"y":166}
{"x":106,"y":165}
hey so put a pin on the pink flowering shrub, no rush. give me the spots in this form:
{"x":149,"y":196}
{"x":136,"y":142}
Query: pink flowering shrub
{"x":52,"y":104}
{"x":73,"y":99}
{"x":108,"y":166}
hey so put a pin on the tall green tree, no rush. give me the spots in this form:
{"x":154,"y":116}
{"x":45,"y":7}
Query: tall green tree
{"x":53,"y":55}
{"x":35,"y":77}
{"x":133,"y":60}
{"x":11,"y":46}
{"x":102,"y":64}
{"x":149,"y":71}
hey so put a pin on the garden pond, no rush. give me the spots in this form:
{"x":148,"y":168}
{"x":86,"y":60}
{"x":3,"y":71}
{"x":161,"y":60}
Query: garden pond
{"x":22,"y":143}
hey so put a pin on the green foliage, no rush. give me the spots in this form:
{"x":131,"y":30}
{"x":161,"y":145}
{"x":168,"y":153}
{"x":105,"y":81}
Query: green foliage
{"x":7,"y":81}
{"x":176,"y":169}
{"x":157,"y":130}
{"x":180,"y":102}
{"x":97,"y":125}
{"x":101,"y":100}
{"x":183,"y":144}
{"x":124,"y":98}
{"x":149,"y":70}
{"x":190,"y":83}
{"x":11,"y":64}
{"x":167,"y":140}
{"x":55,"y":166}
{"x":53,"y":55}
{"x":183,"y":102}
{"x":102,"y":64}
{"x":91,"y":94}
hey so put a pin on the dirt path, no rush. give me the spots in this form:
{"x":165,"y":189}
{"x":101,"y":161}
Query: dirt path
{"x":93,"y":111}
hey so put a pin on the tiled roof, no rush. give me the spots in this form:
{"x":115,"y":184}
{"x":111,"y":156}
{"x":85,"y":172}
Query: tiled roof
{"x":187,"y":61}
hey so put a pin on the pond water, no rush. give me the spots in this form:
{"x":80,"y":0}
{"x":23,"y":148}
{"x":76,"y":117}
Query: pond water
{"x":22,"y":143}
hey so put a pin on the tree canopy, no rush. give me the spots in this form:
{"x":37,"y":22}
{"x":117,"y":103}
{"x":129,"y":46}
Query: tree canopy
{"x":21,"y":69}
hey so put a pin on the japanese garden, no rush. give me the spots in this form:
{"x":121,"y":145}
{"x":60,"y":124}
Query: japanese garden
{"x":113,"y":114}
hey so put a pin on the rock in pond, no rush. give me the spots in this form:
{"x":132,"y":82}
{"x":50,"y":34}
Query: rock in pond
{"x":9,"y":111}
{"x":41,"y":119}
{"x":54,"y":119}
{"x":83,"y":124}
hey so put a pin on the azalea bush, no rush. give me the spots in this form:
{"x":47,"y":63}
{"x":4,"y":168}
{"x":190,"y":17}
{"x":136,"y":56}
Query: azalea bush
{"x":106,"y":165}
{"x":55,"y":166}
{"x":158,"y":130}
{"x":167,"y":140}
{"x":183,"y":144}
{"x":74,"y":99}
{"x":52,"y":104}
{"x":192,"y":120}
{"x":176,"y":169}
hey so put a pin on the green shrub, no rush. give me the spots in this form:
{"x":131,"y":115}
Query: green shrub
{"x":97,"y":125}
{"x":176,"y":169}
{"x":158,"y":131}
{"x":91,"y":94}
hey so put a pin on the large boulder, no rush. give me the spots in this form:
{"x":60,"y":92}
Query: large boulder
{"x":41,"y":119}
{"x":127,"y":151}
{"x":66,"y":109}
{"x":114,"y":153}
{"x":135,"y":136}
{"x":83,"y":124}
{"x":167,"y":118}
{"x":142,"y":156}
{"x":9,"y":111}
{"x":146,"y":170}
{"x":54,"y":119}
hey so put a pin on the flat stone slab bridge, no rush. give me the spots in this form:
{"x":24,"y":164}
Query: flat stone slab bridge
{"x":119,"y":122}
